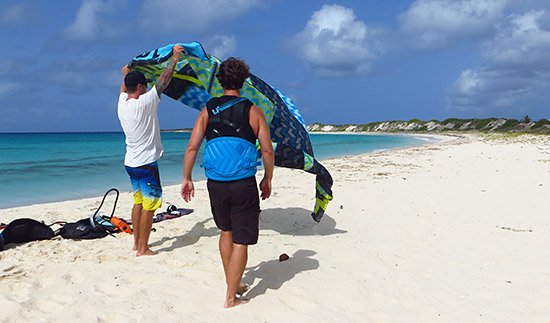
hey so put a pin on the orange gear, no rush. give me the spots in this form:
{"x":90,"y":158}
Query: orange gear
{"x":121,"y":225}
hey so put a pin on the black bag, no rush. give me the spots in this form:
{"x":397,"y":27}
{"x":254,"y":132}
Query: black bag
{"x":94,"y":227}
{"x":24,"y":230}
{"x":82,"y":229}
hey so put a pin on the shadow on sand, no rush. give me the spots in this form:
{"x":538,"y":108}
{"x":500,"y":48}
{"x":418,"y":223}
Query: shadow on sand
{"x":289,"y":221}
{"x":273,"y":274}
{"x":297,"y":222}
{"x":189,"y":238}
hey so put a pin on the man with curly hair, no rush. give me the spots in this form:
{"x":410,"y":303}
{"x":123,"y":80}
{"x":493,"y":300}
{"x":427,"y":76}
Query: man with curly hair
{"x":232,"y":125}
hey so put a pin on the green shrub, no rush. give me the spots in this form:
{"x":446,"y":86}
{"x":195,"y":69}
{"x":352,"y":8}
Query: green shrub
{"x":541,"y":123}
{"x":510,"y":123}
{"x":482,"y":123}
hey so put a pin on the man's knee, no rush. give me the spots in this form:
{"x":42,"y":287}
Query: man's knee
{"x":239,"y":246}
{"x":148,"y":213}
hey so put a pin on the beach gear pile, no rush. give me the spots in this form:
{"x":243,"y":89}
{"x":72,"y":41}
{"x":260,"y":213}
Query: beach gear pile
{"x":93,"y":227}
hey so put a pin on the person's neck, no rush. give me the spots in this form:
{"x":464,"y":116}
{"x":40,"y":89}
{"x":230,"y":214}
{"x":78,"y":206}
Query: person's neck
{"x":133,"y":95}
{"x":232,"y":92}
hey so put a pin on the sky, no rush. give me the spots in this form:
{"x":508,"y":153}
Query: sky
{"x":342,"y":62}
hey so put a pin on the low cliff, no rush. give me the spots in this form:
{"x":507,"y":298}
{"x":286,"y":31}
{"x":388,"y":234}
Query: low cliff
{"x":453,"y":124}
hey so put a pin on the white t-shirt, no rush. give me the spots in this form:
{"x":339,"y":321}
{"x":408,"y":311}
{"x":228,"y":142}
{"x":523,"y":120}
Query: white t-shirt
{"x":139,"y":120}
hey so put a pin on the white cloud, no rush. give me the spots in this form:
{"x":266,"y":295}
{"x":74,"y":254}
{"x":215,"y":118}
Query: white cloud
{"x":89,"y":23}
{"x":221,"y":46}
{"x":468,"y":82}
{"x":13,"y":14}
{"x":520,"y":43}
{"x":434,"y":24}
{"x":517,"y":66}
{"x":191,"y":15}
{"x":335,"y":43}
{"x":488,"y":90}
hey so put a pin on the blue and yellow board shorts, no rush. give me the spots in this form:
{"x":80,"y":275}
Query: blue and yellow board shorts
{"x":146,"y":185}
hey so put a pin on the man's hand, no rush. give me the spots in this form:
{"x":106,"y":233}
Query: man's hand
{"x":125,"y":70}
{"x":176,"y":52}
{"x":265,"y":187}
{"x":187,"y":190}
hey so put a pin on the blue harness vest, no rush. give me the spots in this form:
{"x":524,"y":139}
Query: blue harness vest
{"x":229,"y":158}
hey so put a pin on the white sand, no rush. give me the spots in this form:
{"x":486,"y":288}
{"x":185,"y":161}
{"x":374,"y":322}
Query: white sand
{"x":453,"y":232}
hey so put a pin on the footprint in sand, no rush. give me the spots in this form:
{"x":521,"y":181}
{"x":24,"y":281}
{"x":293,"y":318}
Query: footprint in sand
{"x":76,"y":278}
{"x":11,"y":271}
{"x":10,"y":268}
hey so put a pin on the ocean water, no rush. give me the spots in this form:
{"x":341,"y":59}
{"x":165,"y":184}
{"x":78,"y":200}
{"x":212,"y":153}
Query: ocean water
{"x":49,"y":167}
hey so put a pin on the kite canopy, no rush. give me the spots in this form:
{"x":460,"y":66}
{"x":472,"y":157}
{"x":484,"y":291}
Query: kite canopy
{"x":194,"y":82}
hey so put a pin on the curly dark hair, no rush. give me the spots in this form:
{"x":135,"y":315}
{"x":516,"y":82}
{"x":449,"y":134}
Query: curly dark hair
{"x":232,"y":74}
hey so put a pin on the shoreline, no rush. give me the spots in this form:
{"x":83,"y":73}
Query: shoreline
{"x":100,"y":195}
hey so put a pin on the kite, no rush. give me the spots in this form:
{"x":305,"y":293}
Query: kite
{"x":195,"y":81}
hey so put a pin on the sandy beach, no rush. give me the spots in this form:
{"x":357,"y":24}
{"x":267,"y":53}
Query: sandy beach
{"x":456,"y":231}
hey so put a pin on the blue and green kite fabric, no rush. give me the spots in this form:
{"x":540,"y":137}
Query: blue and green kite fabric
{"x":195,"y":82}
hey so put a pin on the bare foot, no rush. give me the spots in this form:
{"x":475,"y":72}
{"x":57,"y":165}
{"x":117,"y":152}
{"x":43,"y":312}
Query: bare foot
{"x":135,"y":247}
{"x":242,"y":288}
{"x":234,"y":302}
{"x":148,"y":252}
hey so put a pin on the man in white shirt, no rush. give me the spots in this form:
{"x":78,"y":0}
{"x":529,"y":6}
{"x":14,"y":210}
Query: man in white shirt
{"x":137,"y":112}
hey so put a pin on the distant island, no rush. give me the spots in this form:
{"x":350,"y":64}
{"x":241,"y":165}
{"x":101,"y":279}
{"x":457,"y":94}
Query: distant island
{"x":452,"y":124}
{"x":178,"y":130}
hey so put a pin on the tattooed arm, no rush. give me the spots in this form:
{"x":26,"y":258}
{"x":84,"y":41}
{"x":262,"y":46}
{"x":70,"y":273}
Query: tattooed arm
{"x":166,"y":76}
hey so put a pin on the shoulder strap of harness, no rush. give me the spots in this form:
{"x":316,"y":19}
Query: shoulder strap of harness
{"x":217,"y":110}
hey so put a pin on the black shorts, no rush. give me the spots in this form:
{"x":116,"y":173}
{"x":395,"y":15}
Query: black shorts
{"x":236,"y":208}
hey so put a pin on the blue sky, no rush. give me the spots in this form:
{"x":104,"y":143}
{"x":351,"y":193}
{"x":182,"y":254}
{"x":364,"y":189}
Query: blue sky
{"x":341,"y":62}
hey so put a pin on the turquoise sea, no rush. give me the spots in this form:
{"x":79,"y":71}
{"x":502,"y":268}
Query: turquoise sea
{"x":49,"y":167}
